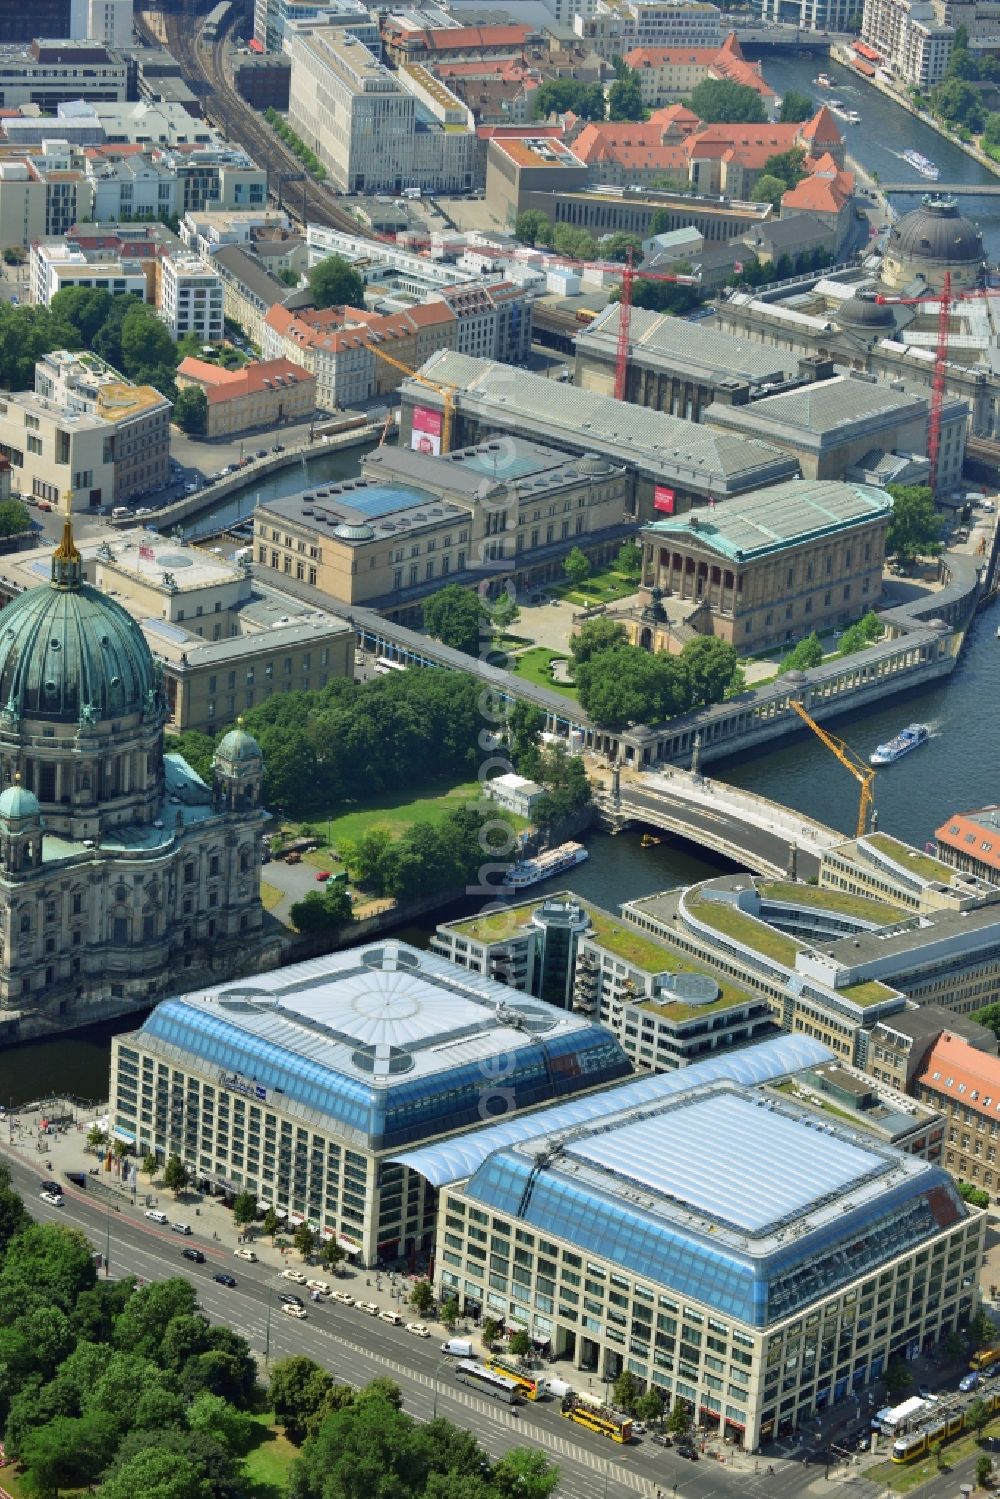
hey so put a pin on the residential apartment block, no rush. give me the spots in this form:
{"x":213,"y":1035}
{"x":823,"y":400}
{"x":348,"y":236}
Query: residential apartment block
{"x":376,"y":131}
{"x":52,"y":266}
{"x":191,"y":299}
{"x":964,"y":1083}
{"x":337,"y":345}
{"x":910,"y":40}
{"x":971,"y":841}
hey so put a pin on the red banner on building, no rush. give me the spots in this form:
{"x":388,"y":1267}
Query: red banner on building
{"x":426,"y":434}
{"x":663,"y":499}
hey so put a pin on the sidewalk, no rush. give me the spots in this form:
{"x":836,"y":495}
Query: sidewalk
{"x":213,"y":1229}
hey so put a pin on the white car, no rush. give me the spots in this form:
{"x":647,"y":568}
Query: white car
{"x":419,"y":1329}
{"x":54,"y":1199}
{"x":293,"y":1311}
{"x":343,"y":1297}
{"x":323,"y":1286}
{"x":369,"y":1307}
{"x":295,"y":1275}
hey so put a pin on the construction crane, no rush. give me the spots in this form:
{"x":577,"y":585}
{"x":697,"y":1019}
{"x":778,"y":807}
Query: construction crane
{"x":862,"y":772}
{"x":945,"y":300}
{"x":444,"y":390}
{"x":629,"y":273}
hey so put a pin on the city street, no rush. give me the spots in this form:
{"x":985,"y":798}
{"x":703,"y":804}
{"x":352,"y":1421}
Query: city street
{"x":356,"y":1348}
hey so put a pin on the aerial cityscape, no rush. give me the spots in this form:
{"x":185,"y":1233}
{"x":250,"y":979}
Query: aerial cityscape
{"x":499,"y":823}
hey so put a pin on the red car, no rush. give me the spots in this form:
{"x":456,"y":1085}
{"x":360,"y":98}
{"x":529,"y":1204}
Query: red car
{"x":322,"y":875}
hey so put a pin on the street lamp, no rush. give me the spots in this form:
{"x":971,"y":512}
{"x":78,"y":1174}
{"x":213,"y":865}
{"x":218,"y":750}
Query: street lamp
{"x":437,"y":1370}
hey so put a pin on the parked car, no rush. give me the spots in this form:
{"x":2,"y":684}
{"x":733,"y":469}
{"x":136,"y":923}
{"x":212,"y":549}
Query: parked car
{"x":369,"y":1307}
{"x":261,"y":453}
{"x":180,"y":1228}
{"x":419,"y":1329}
{"x":289,"y":1274}
{"x":193,"y":1254}
{"x":344,"y":1297}
{"x":246,"y":1254}
{"x":661,"y":1438}
{"x":322,"y":875}
{"x":323,"y":1286}
{"x":157,"y":1216}
{"x":968,"y":1382}
{"x":225,"y":1280}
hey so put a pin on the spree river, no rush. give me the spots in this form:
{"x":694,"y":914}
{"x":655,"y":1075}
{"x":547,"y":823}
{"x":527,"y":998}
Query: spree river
{"x":959,"y":767}
{"x":885,"y":131}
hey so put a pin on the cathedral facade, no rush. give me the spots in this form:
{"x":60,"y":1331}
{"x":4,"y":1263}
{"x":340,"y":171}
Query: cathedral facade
{"x":123,"y":875}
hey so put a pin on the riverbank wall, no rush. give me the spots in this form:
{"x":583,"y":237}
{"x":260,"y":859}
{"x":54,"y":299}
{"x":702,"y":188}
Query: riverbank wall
{"x":255,"y":472}
{"x":841,"y":53}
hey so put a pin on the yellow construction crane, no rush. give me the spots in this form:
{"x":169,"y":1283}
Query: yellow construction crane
{"x":444,"y":391}
{"x":861,"y":772}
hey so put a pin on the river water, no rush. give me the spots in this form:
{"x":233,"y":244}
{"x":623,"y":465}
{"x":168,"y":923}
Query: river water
{"x":884,"y":132}
{"x":956,"y":769}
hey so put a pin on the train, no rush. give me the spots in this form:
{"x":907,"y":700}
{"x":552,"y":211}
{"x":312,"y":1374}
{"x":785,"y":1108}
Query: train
{"x":942,"y":1427}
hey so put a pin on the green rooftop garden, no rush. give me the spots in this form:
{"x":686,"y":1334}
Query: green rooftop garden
{"x":924,"y":866}
{"x":870,"y":992}
{"x":732,"y":922}
{"x":633,"y":946}
{"x":495,"y":926}
{"x":840,"y":902}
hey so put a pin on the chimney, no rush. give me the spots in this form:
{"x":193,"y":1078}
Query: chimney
{"x":732,"y":393}
{"x":814,"y":368}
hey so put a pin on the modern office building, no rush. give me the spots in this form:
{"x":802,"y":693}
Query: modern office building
{"x":53,"y":266}
{"x":743,"y":1255}
{"x":899,"y":1044}
{"x":666,"y":1009}
{"x":49,"y":73}
{"x":375,"y":130}
{"x":304,"y":1085}
{"x":770,"y":567}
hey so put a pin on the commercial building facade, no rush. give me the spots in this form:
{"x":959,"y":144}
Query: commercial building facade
{"x":964,"y":1083}
{"x":623,"y":1237}
{"x":376,"y":131}
{"x":191,"y":299}
{"x":49,"y":73}
{"x":304,"y":1086}
{"x":264,"y":394}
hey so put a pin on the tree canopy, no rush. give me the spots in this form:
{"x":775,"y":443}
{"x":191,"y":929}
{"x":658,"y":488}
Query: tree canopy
{"x":568,"y":96}
{"x":915,"y":528}
{"x":14,"y":517}
{"x":334,"y":282}
{"x":191,"y":410}
{"x":625,"y":97}
{"x":457,"y":616}
{"x":621,"y":683}
{"x":768,"y":189}
{"x":716,"y":99}
{"x":796,"y":106}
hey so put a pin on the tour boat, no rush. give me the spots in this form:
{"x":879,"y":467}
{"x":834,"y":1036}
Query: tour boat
{"x":542,"y":866}
{"x":923,"y":164}
{"x":822,"y":80}
{"x":901,"y":744}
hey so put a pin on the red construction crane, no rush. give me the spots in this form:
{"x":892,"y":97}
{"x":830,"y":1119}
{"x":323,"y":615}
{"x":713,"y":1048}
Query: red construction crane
{"x":945,"y":298}
{"x":629,"y":273}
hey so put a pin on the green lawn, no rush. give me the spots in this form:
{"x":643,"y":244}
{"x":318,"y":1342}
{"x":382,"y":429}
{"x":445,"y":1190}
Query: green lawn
{"x":842,"y":902}
{"x":395,"y":810}
{"x":755,"y":934}
{"x":870,"y":992}
{"x":903,"y":1478}
{"x":269,"y":1460}
{"x":270,"y":895}
{"x":534,"y":665}
{"x":603,"y":587}
{"x":922,"y":865}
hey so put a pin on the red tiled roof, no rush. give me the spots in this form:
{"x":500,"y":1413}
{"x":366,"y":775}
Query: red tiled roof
{"x":826,"y":190}
{"x":232,"y":385}
{"x":821,"y":129}
{"x":967,"y":836}
{"x":954,"y":1069}
{"x":678,"y":57}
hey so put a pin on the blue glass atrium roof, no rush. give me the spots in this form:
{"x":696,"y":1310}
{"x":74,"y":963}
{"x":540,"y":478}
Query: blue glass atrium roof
{"x":453,"y":1160}
{"x":391,"y":1043}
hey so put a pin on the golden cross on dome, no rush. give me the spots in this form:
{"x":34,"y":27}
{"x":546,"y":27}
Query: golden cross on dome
{"x":66,"y":557}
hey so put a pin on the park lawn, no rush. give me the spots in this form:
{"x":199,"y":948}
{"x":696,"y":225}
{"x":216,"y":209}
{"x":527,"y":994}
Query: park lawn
{"x":603,"y":587}
{"x":394,"y":810}
{"x":269,"y":1459}
{"x":534,"y":665}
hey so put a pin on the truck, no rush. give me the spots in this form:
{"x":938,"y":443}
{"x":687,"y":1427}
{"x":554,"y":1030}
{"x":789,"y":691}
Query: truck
{"x":559,"y":1389}
{"x":892,"y":1421}
{"x":458,"y":1348}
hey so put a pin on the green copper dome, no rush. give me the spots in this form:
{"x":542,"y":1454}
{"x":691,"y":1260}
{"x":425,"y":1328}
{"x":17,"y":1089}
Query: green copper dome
{"x":237,"y":746}
{"x":17,"y":802}
{"x":70,"y":654}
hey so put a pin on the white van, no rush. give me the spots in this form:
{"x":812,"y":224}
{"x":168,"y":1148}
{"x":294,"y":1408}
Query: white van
{"x":391,"y":1317}
{"x":246,"y":1254}
{"x":120,"y":512}
{"x":458,"y":1348}
{"x":156,"y":1216}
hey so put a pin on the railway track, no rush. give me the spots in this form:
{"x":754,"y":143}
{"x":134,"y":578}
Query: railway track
{"x":204,"y":71}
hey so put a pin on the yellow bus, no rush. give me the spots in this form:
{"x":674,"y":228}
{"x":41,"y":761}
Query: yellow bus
{"x":984,"y":1358}
{"x":597,"y":1418}
{"x":532,"y":1386}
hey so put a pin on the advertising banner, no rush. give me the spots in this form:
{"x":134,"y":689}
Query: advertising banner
{"x":663,"y":499}
{"x":426,"y":434}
